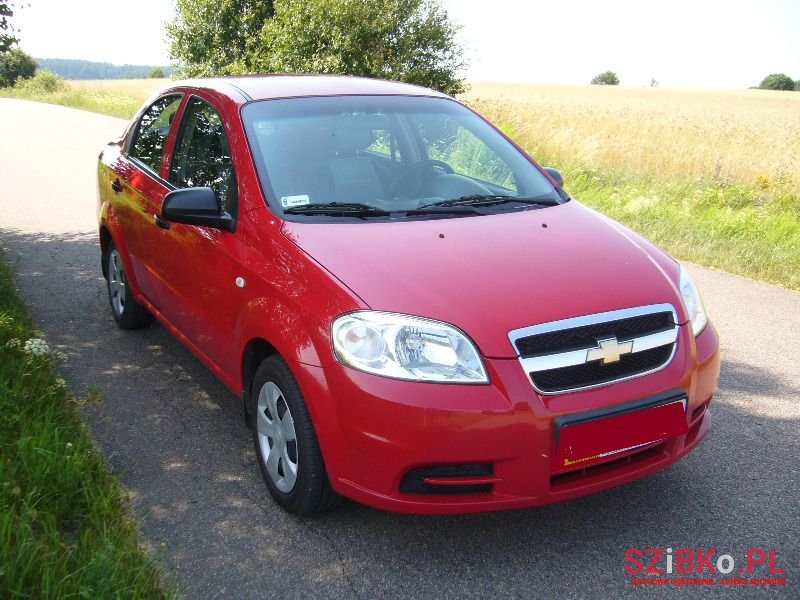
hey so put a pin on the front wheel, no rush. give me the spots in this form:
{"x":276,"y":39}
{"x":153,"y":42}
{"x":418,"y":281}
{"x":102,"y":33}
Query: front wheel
{"x":286,"y":444}
{"x":128,"y":313}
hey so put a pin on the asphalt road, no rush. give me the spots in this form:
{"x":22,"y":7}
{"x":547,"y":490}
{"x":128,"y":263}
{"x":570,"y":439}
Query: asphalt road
{"x":175,"y":436}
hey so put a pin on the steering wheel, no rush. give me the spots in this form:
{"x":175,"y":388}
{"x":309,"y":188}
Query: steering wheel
{"x":413,"y":175}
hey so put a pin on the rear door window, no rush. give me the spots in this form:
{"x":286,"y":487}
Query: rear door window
{"x":152,"y":130}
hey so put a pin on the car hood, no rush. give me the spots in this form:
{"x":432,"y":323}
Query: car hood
{"x":490,"y":274}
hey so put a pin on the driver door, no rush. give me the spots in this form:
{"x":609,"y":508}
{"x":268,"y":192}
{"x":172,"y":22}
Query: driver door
{"x":198,"y":266}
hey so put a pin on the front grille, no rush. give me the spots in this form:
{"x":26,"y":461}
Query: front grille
{"x":565,"y":340}
{"x":596,"y":373}
{"x":594,"y":350}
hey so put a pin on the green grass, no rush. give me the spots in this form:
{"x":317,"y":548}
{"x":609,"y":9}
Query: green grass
{"x":65,"y":526}
{"x":731,"y":227}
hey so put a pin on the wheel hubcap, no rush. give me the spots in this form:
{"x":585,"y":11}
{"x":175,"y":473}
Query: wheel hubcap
{"x":277,"y":440}
{"x":116,"y":282}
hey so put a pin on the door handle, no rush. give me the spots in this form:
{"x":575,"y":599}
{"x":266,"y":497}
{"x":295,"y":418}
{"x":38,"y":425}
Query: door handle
{"x":161,"y":222}
{"x":116,"y":186}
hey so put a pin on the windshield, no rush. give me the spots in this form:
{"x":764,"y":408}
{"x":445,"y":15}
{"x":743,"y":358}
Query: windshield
{"x":387,"y":157}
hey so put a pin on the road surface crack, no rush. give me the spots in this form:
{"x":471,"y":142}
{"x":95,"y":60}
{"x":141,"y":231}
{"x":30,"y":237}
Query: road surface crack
{"x":339,"y":556}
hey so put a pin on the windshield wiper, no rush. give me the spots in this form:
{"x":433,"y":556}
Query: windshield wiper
{"x":464,"y":205}
{"x":444,"y":209}
{"x":490,"y":199}
{"x":344,"y":209}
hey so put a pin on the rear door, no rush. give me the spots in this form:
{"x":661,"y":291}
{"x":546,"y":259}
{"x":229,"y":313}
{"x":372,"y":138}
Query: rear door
{"x":139,"y":189}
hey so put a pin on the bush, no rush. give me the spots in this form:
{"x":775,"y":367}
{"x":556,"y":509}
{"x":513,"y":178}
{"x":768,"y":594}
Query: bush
{"x":777,"y":81}
{"x":606,"y":78}
{"x":15,"y":65}
{"x":156,"y":73}
{"x":44,"y":82}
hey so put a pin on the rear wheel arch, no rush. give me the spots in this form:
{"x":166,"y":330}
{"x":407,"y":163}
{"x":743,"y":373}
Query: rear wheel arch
{"x":127,"y":312}
{"x":105,"y":240}
{"x":109,"y":234}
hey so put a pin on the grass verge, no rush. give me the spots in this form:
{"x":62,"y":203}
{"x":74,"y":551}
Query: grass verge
{"x":46,"y":87}
{"x":100,"y":102}
{"x":727,"y":226}
{"x":65,"y":526}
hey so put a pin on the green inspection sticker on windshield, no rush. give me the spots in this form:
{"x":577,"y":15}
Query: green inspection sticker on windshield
{"x":291,"y":201}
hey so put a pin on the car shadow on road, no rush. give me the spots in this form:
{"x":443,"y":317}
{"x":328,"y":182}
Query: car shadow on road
{"x":176,"y":438}
{"x":749,"y":377}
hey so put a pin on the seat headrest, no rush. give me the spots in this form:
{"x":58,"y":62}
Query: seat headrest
{"x":349,"y":140}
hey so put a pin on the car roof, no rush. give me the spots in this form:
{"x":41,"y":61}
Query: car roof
{"x":265,"y":87}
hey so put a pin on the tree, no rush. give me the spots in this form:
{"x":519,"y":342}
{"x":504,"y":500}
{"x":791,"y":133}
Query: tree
{"x":777,"y":81}
{"x":216,"y":37}
{"x":405,"y":40}
{"x":605,"y":78}
{"x":156,"y":73}
{"x":7,"y":38}
{"x":15,"y":65}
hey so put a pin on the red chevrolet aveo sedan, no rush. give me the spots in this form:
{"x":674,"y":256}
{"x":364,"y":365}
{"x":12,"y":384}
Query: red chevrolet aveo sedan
{"x":415,"y":314}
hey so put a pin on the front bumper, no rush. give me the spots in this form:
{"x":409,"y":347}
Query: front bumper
{"x":376,"y":431}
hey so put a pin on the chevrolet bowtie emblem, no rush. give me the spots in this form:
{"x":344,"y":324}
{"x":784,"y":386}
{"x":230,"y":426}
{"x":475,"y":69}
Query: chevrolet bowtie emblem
{"x":609,"y":350}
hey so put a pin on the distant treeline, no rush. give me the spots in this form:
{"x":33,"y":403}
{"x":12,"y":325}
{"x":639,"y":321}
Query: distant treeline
{"x":68,"y":68}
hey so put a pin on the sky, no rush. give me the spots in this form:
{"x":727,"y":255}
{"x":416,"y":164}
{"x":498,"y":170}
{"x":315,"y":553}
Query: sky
{"x":679,"y":43}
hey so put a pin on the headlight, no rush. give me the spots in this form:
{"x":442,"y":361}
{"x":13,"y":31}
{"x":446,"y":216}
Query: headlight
{"x":406,"y":347}
{"x":693,"y":303}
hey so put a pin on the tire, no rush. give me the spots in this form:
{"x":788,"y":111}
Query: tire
{"x":128,"y":313}
{"x":286,"y":445}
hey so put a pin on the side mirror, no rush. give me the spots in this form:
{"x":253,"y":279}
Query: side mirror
{"x":556,"y":175}
{"x":196,"y":206}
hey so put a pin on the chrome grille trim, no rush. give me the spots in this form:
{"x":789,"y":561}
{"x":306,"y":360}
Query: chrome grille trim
{"x":578,"y":357}
{"x":571,"y":358}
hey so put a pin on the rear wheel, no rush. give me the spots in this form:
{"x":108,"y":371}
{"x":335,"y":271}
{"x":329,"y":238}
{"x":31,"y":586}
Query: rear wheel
{"x":128,"y":313}
{"x":286,"y":444}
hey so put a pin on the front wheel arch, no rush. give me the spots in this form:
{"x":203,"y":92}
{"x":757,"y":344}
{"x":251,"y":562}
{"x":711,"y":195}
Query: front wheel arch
{"x":255,"y":352}
{"x":285,"y":436}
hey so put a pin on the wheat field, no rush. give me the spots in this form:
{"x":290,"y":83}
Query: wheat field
{"x":749,"y":137}
{"x":141,"y":88}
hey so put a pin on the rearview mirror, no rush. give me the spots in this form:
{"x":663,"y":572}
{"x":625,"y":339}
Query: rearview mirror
{"x":556,"y":175}
{"x":196,"y":206}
